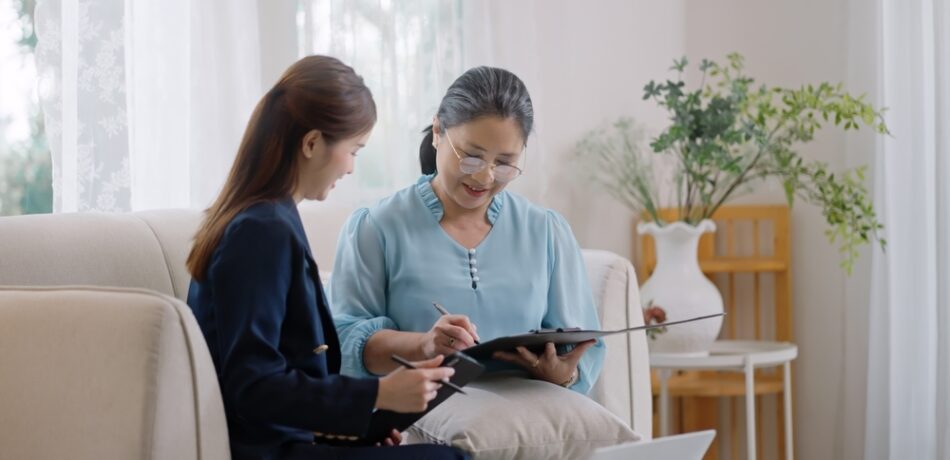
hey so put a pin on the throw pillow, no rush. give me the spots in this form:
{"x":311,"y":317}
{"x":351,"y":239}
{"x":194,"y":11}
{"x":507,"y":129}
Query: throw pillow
{"x":513,"y":417}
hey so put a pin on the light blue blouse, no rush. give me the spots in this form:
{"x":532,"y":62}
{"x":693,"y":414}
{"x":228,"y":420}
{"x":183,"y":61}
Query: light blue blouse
{"x":394,"y":260}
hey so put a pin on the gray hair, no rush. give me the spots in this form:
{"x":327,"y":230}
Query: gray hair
{"x":480,"y":92}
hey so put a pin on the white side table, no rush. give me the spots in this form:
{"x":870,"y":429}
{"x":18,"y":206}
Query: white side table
{"x":735,"y":355}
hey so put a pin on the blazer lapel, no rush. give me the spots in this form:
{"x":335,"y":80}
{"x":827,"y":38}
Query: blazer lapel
{"x":326,"y":318}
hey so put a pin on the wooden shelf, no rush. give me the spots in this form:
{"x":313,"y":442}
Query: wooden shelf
{"x":742,"y":265}
{"x":718,"y":384}
{"x":763,"y":235}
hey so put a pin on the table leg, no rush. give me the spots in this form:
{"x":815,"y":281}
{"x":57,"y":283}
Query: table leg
{"x":664,"y":375}
{"x":788,"y":410}
{"x":750,"y":409}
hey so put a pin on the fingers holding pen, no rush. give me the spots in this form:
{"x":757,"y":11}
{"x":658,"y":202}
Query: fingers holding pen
{"x":458,"y":320}
{"x":449,"y":334}
{"x":456,"y":337}
{"x":411,"y":388}
{"x":464,"y":322}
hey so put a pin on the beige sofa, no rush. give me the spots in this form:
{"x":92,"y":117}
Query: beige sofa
{"x":101,"y":358}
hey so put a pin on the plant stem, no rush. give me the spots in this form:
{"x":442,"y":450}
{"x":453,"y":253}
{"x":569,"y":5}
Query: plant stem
{"x":741,"y":179}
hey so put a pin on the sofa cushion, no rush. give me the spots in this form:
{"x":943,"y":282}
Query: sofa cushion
{"x":614,"y":285}
{"x":105,"y":373}
{"x":512,"y":417}
{"x":175,"y":231}
{"x":81,"y":249}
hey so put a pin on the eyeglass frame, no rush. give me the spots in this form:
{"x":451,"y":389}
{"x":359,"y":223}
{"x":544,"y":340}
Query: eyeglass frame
{"x":486,"y":164}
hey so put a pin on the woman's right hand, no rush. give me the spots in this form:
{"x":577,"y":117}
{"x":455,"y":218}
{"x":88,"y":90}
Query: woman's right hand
{"x":410,"y":390}
{"x":449,"y":334}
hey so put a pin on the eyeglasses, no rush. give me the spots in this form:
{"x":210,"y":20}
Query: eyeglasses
{"x":473,"y":165}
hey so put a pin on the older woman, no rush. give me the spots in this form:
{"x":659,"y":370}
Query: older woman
{"x":499,"y":263}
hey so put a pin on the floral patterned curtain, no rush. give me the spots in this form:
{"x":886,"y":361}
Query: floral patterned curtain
{"x":145,"y":102}
{"x":81,"y":68}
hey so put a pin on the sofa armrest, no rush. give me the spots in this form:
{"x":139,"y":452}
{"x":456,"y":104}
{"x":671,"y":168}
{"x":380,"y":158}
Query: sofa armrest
{"x":108,"y":373}
{"x":624,"y":384}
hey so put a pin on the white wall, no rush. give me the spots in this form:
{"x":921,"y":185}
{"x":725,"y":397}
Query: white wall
{"x":585,"y":64}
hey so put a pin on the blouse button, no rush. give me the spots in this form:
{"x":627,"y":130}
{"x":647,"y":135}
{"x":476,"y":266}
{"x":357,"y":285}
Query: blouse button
{"x":472,"y":261}
{"x":474,"y":278}
{"x":474,"y":270}
{"x":471,"y":251}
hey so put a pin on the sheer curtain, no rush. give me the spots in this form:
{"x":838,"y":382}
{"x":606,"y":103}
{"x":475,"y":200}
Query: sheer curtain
{"x":903,"y":52}
{"x":145,"y":102}
{"x":506,"y":34}
{"x":408,"y":52}
{"x":909,"y":357}
{"x":80,"y":59}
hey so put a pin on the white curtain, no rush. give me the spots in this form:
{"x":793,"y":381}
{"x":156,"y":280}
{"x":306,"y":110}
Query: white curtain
{"x":901,"y":52}
{"x":80,"y":59}
{"x":506,"y":34}
{"x":408,"y":53}
{"x":145,"y":102}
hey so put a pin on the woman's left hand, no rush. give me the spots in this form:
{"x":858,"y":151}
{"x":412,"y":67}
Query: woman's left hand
{"x":394,"y":439}
{"x":548,"y":366}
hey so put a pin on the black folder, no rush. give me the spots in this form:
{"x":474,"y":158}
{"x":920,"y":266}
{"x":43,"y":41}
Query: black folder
{"x":383,"y":422}
{"x":535,"y":340}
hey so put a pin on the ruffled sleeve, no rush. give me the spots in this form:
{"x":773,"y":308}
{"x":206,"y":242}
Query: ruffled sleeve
{"x":358,"y":290}
{"x":570,"y":300}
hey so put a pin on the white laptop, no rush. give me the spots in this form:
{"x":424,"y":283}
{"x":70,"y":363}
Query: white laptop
{"x":689,"y":446}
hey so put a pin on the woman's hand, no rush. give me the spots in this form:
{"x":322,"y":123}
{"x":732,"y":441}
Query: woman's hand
{"x":548,"y":366}
{"x":449,"y":334}
{"x":394,"y":439}
{"x":410,"y":390}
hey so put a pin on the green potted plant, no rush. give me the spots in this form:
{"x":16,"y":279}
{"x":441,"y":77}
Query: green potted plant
{"x":723,"y":136}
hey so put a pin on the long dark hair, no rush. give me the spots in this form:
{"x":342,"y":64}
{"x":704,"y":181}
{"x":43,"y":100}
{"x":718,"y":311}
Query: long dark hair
{"x":316,"y":92}
{"x":479,"y":92}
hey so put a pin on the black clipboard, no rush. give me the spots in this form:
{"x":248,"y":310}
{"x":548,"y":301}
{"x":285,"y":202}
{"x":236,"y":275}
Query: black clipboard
{"x":535,"y":341}
{"x":383,"y":422}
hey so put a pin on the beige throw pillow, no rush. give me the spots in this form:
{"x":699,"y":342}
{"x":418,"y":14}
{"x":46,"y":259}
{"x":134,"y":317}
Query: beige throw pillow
{"x":508,"y":417}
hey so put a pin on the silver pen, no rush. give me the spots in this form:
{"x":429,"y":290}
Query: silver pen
{"x":444,"y":312}
{"x":441,"y":309}
{"x":405,"y":363}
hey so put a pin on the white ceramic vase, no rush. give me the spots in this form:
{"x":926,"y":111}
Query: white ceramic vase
{"x":680,"y":288}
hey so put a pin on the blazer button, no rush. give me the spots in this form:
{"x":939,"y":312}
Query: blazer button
{"x":321,"y":349}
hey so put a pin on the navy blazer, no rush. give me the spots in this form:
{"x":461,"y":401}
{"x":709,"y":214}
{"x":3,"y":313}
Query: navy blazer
{"x":264,"y":315}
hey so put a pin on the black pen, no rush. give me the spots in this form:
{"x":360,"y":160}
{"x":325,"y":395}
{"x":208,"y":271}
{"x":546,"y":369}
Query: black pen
{"x":444,"y":312}
{"x":409,"y":365}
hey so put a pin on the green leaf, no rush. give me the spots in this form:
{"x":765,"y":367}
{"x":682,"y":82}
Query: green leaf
{"x":679,"y":65}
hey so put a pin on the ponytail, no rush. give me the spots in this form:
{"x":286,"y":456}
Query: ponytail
{"x":427,"y":152}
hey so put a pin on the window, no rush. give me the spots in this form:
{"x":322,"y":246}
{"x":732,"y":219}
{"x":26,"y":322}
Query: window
{"x":408,"y":53}
{"x":25,"y":166}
